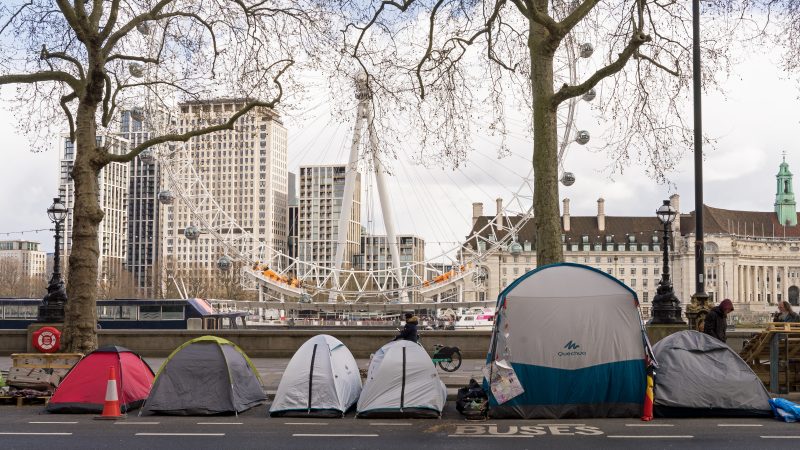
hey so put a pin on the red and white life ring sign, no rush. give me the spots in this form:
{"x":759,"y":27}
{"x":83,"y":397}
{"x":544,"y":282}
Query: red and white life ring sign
{"x":47,"y":340}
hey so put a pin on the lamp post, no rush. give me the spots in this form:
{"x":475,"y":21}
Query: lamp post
{"x":666,"y":307}
{"x":52,"y":308}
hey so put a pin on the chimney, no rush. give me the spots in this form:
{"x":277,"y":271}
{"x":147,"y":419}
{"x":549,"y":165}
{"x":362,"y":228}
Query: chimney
{"x":675,"y":201}
{"x":566,"y":215}
{"x":601,"y":214}
{"x":477,"y":212}
{"x":499,"y":220}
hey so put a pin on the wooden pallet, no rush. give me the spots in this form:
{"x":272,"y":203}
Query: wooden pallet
{"x":22,"y":401}
{"x":756,"y":350}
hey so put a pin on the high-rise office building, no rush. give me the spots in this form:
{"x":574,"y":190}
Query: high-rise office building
{"x":321,"y":193}
{"x":244,"y":170}
{"x":143,"y":188}
{"x":25,"y":257}
{"x":376,"y":257}
{"x":113,"y":199}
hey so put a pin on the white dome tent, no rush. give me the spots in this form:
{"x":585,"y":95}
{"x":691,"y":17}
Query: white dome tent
{"x":321,"y":380}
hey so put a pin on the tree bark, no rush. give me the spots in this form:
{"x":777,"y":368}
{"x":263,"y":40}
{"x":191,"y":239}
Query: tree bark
{"x":545,"y":144}
{"x":80,"y":334}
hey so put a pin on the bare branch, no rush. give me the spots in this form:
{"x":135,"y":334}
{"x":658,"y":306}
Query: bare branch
{"x":227,"y":125}
{"x":71,"y":120}
{"x":38,"y":77}
{"x":45,"y":54}
{"x":14,"y":16}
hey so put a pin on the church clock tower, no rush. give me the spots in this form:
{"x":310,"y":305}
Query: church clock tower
{"x":785,"y":205}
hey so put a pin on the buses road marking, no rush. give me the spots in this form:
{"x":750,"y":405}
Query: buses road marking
{"x":492,"y":435}
{"x":11,"y":433}
{"x":54,"y":422}
{"x":666,"y":436}
{"x":333,"y":435}
{"x":180,"y":434}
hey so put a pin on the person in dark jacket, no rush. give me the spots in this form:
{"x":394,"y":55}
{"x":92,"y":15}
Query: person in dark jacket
{"x":409,"y":331}
{"x":716,"y":320}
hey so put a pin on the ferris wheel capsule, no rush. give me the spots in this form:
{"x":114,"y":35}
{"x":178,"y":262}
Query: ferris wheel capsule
{"x":589,"y":95}
{"x":582,"y":137}
{"x":568,"y":179}
{"x":515,"y":248}
{"x":147,"y":157}
{"x":224,"y":263}
{"x":166,"y":197}
{"x":191,"y":233}
{"x":587,"y":50}
{"x":136,"y":70}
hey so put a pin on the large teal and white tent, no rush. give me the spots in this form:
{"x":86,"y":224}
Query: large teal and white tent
{"x":574,"y":338}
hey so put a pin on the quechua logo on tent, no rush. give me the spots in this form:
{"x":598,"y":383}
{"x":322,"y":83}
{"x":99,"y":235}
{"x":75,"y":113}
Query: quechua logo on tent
{"x":572,"y":349}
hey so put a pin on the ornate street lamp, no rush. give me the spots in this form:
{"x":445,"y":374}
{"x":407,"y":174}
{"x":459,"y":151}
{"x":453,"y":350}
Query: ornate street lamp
{"x":666,"y":307}
{"x":52,"y":308}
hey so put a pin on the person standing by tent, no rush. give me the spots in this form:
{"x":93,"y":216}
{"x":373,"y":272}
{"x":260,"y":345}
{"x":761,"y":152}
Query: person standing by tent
{"x":716,"y":322}
{"x":409,"y":331}
{"x":785,"y":313}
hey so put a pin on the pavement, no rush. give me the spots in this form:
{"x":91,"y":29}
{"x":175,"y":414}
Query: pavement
{"x":271,"y":370}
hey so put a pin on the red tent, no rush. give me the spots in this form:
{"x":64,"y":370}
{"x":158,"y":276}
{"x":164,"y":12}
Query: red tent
{"x":83,"y":390}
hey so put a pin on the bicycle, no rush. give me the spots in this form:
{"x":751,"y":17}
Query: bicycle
{"x":448,"y":358}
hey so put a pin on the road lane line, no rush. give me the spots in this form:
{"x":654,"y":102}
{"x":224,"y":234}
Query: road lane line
{"x":306,"y":423}
{"x":390,"y":424}
{"x":180,"y":434}
{"x":739,"y":425}
{"x":665,"y":436}
{"x":780,"y":437}
{"x":12,"y":433}
{"x":649,"y":425}
{"x":40,"y":423}
{"x":219,"y":423}
{"x":332,"y":435}
{"x":560,"y":424}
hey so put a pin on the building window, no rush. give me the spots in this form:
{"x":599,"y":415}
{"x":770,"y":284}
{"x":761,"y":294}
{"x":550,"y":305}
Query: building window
{"x":622,"y":271}
{"x":645,"y":296}
{"x":633,"y":282}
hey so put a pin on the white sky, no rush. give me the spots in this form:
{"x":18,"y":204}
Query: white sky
{"x":754,"y":122}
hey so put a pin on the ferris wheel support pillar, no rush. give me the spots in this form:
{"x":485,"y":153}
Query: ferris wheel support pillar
{"x":386,"y":207}
{"x":347,"y":198}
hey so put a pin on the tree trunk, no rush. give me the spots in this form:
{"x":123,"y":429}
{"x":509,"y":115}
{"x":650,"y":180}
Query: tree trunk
{"x":80,"y":334}
{"x":545,"y":145}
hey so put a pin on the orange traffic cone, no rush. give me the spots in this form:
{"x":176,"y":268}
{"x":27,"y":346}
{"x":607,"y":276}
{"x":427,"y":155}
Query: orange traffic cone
{"x":111,"y":406}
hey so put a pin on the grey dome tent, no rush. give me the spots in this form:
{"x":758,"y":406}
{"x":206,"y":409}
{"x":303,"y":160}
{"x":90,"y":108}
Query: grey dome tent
{"x":204,"y":376}
{"x":321,"y":380}
{"x":402,"y":382}
{"x":700,"y":376}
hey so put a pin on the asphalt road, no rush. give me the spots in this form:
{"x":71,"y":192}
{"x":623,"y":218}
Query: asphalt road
{"x":28,"y":428}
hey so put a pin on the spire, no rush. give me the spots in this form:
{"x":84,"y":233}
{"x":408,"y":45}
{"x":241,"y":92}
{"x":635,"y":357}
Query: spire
{"x":785,"y":205}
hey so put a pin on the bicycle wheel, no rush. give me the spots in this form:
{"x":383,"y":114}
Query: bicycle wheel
{"x":453,"y":364}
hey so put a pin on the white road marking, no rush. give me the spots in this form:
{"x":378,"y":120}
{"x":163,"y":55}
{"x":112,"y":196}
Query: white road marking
{"x":219,"y":423}
{"x":54,"y":422}
{"x":780,"y":437}
{"x":10,"y":433}
{"x":739,"y":425}
{"x":136,"y":423}
{"x":666,"y":436}
{"x":390,"y":424}
{"x":491,"y":435}
{"x":180,"y":434}
{"x":306,"y":423}
{"x":333,"y":435}
{"x":649,"y":425}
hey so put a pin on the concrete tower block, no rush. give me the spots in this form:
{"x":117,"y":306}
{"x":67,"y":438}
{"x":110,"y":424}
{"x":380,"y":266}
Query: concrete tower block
{"x":565,"y":220}
{"x":601,"y":214}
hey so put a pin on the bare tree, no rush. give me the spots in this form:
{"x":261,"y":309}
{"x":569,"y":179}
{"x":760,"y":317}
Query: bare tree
{"x":443,"y":61}
{"x":11,"y":278}
{"x":77,"y":64}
